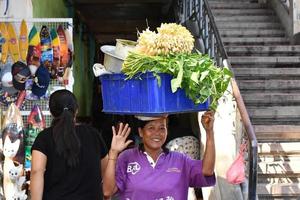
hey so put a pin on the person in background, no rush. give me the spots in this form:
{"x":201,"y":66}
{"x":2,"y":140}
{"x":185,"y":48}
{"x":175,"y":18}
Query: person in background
{"x":67,"y":159}
{"x":151,"y":171}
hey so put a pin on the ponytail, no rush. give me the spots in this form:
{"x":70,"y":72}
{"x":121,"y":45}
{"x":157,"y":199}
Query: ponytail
{"x":66,"y":141}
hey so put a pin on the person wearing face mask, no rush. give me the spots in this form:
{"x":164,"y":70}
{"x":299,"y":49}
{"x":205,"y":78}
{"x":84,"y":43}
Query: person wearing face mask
{"x":151,"y":171}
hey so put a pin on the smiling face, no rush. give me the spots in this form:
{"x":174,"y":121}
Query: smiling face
{"x":154,"y":135}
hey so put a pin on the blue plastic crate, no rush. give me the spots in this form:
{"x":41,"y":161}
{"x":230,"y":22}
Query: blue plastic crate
{"x":135,"y":96}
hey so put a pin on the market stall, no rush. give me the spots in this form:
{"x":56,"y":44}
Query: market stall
{"x":36,"y":60}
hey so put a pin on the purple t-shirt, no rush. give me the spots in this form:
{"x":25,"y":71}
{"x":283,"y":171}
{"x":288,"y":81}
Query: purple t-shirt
{"x":168,"y":180}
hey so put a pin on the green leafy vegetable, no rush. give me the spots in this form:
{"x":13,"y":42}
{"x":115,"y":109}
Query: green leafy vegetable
{"x":195,"y":73}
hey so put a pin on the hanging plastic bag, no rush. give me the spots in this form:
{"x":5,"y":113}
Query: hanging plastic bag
{"x":236,"y":172}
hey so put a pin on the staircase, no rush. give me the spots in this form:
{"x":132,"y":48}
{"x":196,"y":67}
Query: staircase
{"x":267,"y":70}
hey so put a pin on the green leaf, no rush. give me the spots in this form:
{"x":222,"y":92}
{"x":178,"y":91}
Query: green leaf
{"x":203,"y":75}
{"x":176,"y":82}
{"x":195,"y":77}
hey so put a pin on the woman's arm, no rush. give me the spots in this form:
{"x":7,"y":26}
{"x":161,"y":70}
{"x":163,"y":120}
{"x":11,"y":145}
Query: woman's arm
{"x":104,"y":162}
{"x":38,"y":167}
{"x":208,"y":162}
{"x":118,"y":144}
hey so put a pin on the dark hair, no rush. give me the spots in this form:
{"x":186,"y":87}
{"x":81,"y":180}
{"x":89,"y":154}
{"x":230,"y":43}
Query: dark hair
{"x":63,"y":107}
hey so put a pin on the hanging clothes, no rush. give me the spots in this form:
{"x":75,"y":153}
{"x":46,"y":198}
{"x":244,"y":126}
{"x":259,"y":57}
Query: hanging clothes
{"x":16,"y":9}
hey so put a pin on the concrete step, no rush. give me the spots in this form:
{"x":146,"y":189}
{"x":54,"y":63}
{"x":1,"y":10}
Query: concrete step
{"x":279,"y":169}
{"x":271,"y":50}
{"x":222,"y":1}
{"x":279,"y":133}
{"x":266,"y":73}
{"x":279,"y":189}
{"x":254,"y":41}
{"x":265,"y":65}
{"x":269,"y":85}
{"x":277,"y":197}
{"x":248,"y":25}
{"x":278,"y":157}
{"x":254,"y":18}
{"x":256,"y":120}
{"x":277,"y":148}
{"x":240,"y":12}
{"x":252,"y":33}
{"x":278,"y":178}
{"x":274,"y":115}
{"x":235,"y":5}
{"x":270,"y":60}
{"x":271,"y":99}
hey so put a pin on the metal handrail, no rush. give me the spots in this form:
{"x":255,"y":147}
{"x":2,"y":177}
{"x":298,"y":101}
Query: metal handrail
{"x":200,"y":11}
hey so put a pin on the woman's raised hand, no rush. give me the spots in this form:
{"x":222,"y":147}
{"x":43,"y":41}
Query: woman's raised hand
{"x":119,"y":143}
{"x":207,"y":120}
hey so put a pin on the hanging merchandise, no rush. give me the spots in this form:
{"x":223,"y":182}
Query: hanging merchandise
{"x":1,"y":43}
{"x":20,"y":99}
{"x":4,"y":33}
{"x":70,"y":48}
{"x":46,"y":46}
{"x":34,"y":50}
{"x":7,"y":79}
{"x":36,"y":123}
{"x":25,"y":88}
{"x":63,"y":51}
{"x":13,"y":150}
{"x":13,"y":45}
{"x":56,"y":53}
{"x":20,"y":73}
{"x":16,"y":9}
{"x":23,"y":41}
{"x":41,"y":81}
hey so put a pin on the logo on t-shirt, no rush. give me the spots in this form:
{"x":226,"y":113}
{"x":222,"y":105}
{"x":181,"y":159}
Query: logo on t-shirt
{"x":174,"y":169}
{"x":133,"y":168}
{"x":166,"y":198}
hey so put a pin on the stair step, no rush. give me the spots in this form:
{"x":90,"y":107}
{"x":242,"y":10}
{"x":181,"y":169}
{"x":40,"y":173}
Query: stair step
{"x":283,"y":148}
{"x":264,"y":60}
{"x":279,"y":168}
{"x":266,"y":73}
{"x":275,"y":85}
{"x":278,"y":133}
{"x":248,"y":25}
{"x":259,"y":18}
{"x":271,"y":99}
{"x":265,"y":65}
{"x":235,"y":5}
{"x":282,"y":50}
{"x":228,"y":12}
{"x":274,"y":114}
{"x":279,"y":189}
{"x":252,"y":33}
{"x":283,"y":157}
{"x":277,"y":197}
{"x":254,"y":40}
{"x":278,"y":178}
{"x":220,"y":1}
{"x":276,"y":121}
